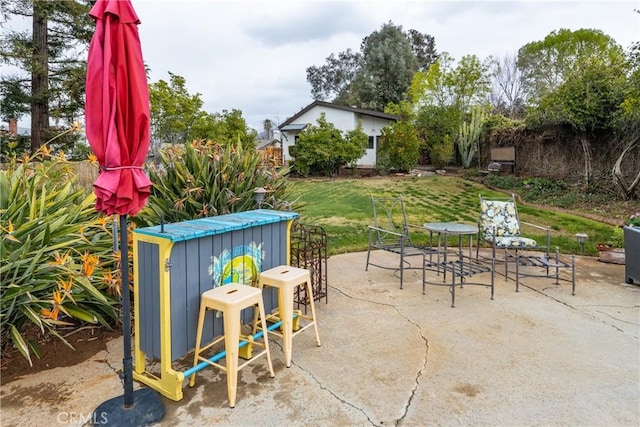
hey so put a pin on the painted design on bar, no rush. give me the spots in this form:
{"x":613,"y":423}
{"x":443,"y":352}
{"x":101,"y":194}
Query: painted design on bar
{"x":241,"y":265}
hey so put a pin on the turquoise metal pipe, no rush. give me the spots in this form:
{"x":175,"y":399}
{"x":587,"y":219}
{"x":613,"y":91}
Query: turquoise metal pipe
{"x":200,"y":366}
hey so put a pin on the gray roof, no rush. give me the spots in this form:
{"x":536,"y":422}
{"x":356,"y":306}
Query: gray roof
{"x":362,"y":111}
{"x":294,"y":126}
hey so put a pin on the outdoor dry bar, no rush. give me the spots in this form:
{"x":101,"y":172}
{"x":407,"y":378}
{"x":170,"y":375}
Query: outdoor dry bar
{"x":175,"y":263}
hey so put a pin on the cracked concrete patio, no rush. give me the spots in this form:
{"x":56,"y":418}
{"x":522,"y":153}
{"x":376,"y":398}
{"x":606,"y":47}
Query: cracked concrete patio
{"x":397,"y":357}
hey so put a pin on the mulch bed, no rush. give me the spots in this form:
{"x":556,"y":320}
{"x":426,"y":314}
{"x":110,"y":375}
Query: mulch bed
{"x":87,"y":341}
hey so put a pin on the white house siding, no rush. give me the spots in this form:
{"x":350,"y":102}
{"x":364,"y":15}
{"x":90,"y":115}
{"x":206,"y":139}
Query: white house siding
{"x":342,"y":120}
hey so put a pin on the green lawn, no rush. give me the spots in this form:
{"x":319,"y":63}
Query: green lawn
{"x":343,"y":208}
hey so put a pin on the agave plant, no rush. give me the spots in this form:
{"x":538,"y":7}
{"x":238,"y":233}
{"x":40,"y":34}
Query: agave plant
{"x":58,"y":267}
{"x":205,"y":178}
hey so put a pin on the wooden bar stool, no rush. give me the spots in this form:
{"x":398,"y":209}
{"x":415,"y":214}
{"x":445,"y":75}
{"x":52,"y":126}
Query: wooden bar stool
{"x":231,"y":299}
{"x":287,"y":279}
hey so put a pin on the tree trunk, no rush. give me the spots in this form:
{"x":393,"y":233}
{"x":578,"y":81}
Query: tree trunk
{"x":628,"y":192}
{"x":39,"y":80}
{"x":588,"y":167}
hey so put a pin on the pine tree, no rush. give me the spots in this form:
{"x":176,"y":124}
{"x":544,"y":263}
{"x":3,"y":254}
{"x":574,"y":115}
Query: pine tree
{"x":49,"y":62}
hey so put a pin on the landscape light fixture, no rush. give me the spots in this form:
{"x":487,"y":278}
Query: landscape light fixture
{"x":582,"y":238}
{"x":258,"y":196}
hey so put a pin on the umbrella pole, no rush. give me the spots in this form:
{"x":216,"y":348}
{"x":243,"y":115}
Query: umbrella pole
{"x":145,"y":406}
{"x":127,"y":361}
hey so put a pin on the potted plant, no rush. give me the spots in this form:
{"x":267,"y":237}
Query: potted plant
{"x":632,"y":248}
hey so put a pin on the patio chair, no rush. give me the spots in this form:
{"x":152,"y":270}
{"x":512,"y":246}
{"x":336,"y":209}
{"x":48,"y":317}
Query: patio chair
{"x":390,"y":232}
{"x":501,"y":228}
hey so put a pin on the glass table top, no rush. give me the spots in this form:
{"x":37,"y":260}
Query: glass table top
{"x":451,"y":228}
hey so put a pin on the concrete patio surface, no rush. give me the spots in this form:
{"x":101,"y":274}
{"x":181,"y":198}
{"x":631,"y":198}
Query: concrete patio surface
{"x":398,"y":357}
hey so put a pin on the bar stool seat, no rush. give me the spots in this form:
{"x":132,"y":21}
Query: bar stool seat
{"x":286,"y":279}
{"x":230,"y":300}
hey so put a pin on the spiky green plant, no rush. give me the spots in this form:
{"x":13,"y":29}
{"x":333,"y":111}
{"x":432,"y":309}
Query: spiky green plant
{"x":58,"y":267}
{"x":469,"y":135}
{"x":204,"y":179}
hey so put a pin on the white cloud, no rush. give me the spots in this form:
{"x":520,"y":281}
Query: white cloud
{"x":252,"y":55}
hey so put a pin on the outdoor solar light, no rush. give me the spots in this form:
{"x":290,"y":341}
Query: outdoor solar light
{"x":258,"y":196}
{"x":582,"y":238}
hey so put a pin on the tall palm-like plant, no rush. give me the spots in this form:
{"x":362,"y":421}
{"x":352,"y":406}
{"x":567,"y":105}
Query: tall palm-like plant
{"x":57,"y":263}
{"x":205,"y":178}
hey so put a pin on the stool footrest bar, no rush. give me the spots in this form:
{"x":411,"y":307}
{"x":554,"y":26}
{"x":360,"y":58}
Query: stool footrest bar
{"x":200,"y":366}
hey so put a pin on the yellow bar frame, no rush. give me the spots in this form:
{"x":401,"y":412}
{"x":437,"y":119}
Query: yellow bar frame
{"x":170,"y":381}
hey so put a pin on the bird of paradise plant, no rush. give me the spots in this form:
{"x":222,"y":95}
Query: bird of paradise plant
{"x":54,"y":251}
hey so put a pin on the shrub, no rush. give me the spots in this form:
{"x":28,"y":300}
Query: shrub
{"x":58,"y":267}
{"x":442,"y":153}
{"x":399,"y":148}
{"x":204,"y":179}
{"x":504,"y":182}
{"x":324,"y":149}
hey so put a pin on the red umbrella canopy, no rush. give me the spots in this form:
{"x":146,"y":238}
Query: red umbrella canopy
{"x":117,"y":108}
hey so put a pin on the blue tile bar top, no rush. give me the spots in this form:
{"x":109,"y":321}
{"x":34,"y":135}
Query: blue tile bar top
{"x":185,"y":230}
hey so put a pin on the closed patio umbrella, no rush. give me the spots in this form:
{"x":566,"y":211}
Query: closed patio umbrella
{"x":118,"y":129}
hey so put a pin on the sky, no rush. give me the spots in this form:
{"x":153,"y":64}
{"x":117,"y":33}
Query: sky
{"x":252,"y":55}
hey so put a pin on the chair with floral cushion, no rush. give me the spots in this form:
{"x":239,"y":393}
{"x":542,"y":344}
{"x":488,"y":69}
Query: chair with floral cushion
{"x":500,"y":226}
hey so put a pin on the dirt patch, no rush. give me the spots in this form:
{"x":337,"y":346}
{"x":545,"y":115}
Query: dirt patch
{"x":86,"y":342}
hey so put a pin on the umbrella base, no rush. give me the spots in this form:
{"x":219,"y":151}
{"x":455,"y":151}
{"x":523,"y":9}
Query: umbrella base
{"x":147,"y":409}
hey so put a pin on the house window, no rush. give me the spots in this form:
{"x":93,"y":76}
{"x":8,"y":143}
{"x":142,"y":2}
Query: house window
{"x":296,"y":138}
{"x":371,"y":144}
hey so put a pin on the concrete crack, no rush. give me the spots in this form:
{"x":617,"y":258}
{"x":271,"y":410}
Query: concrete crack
{"x":548,"y":296}
{"x":426,"y":352}
{"x":419,"y":373}
{"x":361,"y":299}
{"x":334,"y":394}
{"x":106,"y":360}
{"x":575,"y":308}
{"x":619,"y":320}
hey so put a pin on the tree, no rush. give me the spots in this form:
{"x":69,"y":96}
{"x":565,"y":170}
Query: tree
{"x":323,"y":149}
{"x":442,"y":96}
{"x":267,"y":124}
{"x":433,"y":86}
{"x":588,"y":100}
{"x":50,"y":56}
{"x":507,"y":95}
{"x":333,"y":80}
{"x":547,"y":63}
{"x":226,"y":127}
{"x":380,"y":73}
{"x":174,"y":112}
{"x":423,"y":47}
{"x":177,"y":117}
{"x":442,"y":85}
{"x":577,"y":79}
{"x":628,"y":128}
{"x":388,"y":67}
{"x":436,"y":128}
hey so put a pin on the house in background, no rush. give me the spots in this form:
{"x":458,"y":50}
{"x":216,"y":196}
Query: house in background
{"x":269,"y":146}
{"x":344,"y":118}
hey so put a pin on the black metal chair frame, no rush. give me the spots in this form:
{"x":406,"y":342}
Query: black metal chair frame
{"x":390,"y":232}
